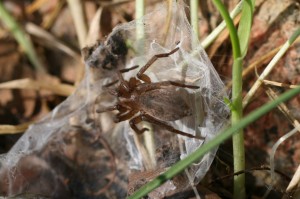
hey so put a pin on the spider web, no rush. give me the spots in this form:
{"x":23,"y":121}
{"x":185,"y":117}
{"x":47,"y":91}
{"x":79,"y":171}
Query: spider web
{"x":75,"y":119}
{"x":189,"y":65}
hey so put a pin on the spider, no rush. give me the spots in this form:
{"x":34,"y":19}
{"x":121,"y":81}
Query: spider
{"x":139,"y":99}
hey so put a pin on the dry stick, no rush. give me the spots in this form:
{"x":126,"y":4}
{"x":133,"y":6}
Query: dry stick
{"x":194,"y":11}
{"x":271,"y":94}
{"x":262,"y":168}
{"x":214,"y":34}
{"x":94,"y":29}
{"x":257,"y":64}
{"x":270,"y":67}
{"x":191,"y":180}
{"x":50,"y":40}
{"x":272,"y":155}
{"x":294,"y":183}
{"x":79,"y":19}
{"x":34,"y":6}
{"x":144,"y":152}
{"x":222,"y":37}
{"x":13,"y":129}
{"x":58,"y":88}
{"x":279,"y":84}
{"x":80,"y":22}
{"x":148,"y":153}
{"x":194,"y":5}
{"x":113,"y":3}
{"x":168,"y":21}
{"x":284,"y":109}
{"x":48,"y":22}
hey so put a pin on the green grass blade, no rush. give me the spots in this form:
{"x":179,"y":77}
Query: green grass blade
{"x":244,"y":31}
{"x":237,"y":112}
{"x":230,"y":25}
{"x":21,"y":37}
{"x":216,"y":32}
{"x":245,"y":25}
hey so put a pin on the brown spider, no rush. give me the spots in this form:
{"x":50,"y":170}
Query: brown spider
{"x":141,"y":100}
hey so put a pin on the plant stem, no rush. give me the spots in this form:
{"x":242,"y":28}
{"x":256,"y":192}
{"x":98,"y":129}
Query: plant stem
{"x":79,"y":18}
{"x":216,"y":32}
{"x":237,"y":110}
{"x":140,"y":32}
{"x":239,"y":191}
{"x":149,"y":155}
{"x":230,"y":25}
{"x":194,"y":4}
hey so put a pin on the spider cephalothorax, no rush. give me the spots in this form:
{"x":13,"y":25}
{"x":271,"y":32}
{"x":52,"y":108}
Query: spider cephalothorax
{"x":139,"y":99}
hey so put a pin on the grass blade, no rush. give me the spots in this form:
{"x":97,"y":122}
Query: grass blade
{"x":21,"y":37}
{"x":245,"y":25}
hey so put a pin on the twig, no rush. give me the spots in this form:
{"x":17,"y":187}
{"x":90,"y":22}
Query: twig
{"x":257,"y":64}
{"x":78,"y":14}
{"x":270,"y":67}
{"x":13,"y":129}
{"x":50,"y":40}
{"x":279,"y":84}
{"x":284,"y":109}
{"x":168,"y":21}
{"x":272,"y":155}
{"x":48,"y":21}
{"x":59,"y":89}
{"x":214,"y":34}
{"x":194,"y":20}
{"x":149,"y":154}
{"x":34,"y":6}
{"x":94,"y":28}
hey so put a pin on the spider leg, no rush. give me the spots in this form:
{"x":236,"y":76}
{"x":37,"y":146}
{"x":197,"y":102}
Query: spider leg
{"x":121,"y":71}
{"x":178,"y":84}
{"x":110,"y":83}
{"x":123,"y":82}
{"x":134,"y":121}
{"x":141,"y":88}
{"x":120,"y":107}
{"x":110,"y":108}
{"x":133,"y":82}
{"x":141,"y":74}
{"x":125,"y":116}
{"x":125,"y":70}
{"x":153,"y":120}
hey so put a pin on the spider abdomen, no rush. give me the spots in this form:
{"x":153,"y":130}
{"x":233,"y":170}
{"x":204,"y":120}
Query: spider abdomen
{"x":168,"y":104}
